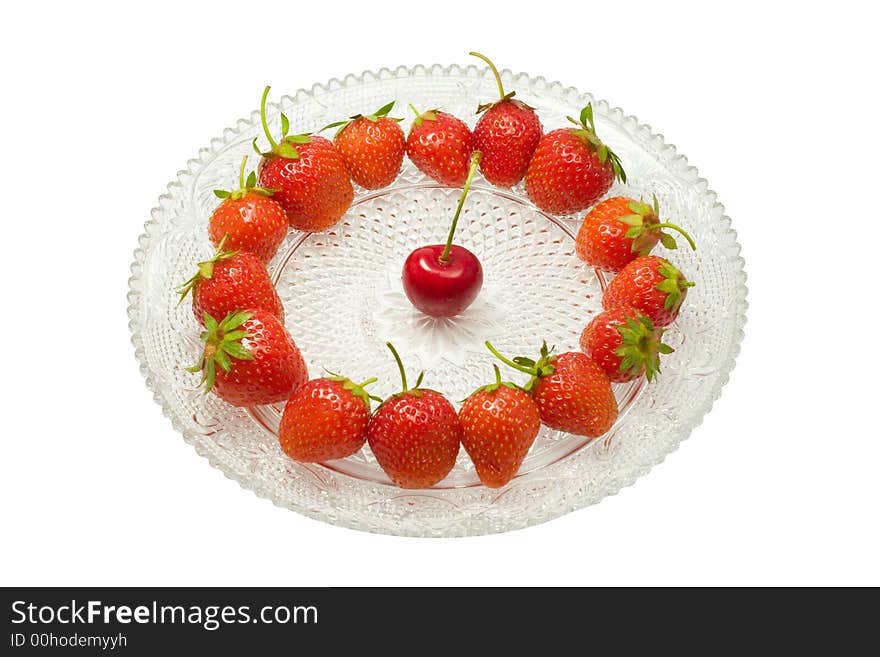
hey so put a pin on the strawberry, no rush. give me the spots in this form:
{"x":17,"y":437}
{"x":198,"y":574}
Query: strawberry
{"x":372,"y":147}
{"x":571,"y":168}
{"x":625,"y":344}
{"x":415,"y":434}
{"x":571,"y":391}
{"x":440,"y":146}
{"x":249,"y":218}
{"x":499,"y":423}
{"x":308,"y":175}
{"x":250,"y":359}
{"x":651,"y":285}
{"x":325,"y":419}
{"x":619,"y":229}
{"x":507,"y":133}
{"x":231,"y":280}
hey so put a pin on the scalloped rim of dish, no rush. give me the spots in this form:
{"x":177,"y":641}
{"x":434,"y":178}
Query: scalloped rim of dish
{"x":569,"y":502}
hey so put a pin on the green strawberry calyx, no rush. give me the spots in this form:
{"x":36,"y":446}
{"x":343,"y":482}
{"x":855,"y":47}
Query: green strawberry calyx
{"x":492,"y":387}
{"x":244,"y":186}
{"x":356,"y":389}
{"x":674,"y":284}
{"x":482,"y":107}
{"x":645,"y":228}
{"x":428,"y":115}
{"x":222,"y":342}
{"x":381,"y":113}
{"x":416,"y":390}
{"x":542,"y":367}
{"x":586,"y":130}
{"x":640,"y":346}
{"x":287,"y":146}
{"x":205,"y":269}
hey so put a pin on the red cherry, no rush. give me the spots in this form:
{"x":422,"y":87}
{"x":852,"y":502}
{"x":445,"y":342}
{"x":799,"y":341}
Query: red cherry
{"x":442,"y":280}
{"x":442,"y":288}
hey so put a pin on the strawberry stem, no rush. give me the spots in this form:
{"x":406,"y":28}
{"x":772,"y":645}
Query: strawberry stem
{"x":508,"y":362}
{"x":241,"y":172}
{"x":676,"y":228}
{"x":497,"y":374}
{"x":399,"y":365}
{"x":494,"y":72}
{"x":272,"y":142}
{"x":475,"y":160}
{"x":415,"y":111}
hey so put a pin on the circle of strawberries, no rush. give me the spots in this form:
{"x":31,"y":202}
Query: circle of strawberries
{"x":304,"y":181}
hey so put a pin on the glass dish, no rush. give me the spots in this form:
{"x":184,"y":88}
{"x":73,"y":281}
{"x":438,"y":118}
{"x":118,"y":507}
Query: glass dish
{"x":343,"y":299}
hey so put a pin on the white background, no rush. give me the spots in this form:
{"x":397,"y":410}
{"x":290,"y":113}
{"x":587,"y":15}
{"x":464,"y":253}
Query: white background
{"x":776,"y":104}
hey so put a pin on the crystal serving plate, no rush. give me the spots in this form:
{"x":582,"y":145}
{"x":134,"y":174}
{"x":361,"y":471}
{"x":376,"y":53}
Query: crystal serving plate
{"x":343,"y":300}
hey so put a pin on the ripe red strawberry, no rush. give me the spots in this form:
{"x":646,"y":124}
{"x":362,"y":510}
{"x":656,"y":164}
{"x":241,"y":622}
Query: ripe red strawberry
{"x":415,"y":435}
{"x":572,"y":392}
{"x":250,"y":359}
{"x":651,"y":285}
{"x":507,"y":133}
{"x":308,"y":175}
{"x":249,"y":218}
{"x":499,"y":423}
{"x":571,"y":168}
{"x":372,"y":147}
{"x":230,"y":281}
{"x":440,"y":146}
{"x":619,"y":229}
{"x":325,"y":419}
{"x":625,"y":344}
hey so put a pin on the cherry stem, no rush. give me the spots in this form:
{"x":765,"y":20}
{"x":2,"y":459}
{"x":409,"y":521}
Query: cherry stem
{"x":399,"y":365}
{"x":272,"y":142}
{"x":507,"y":361}
{"x":680,"y":230}
{"x":475,"y":161}
{"x":241,"y":172}
{"x":493,"y":69}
